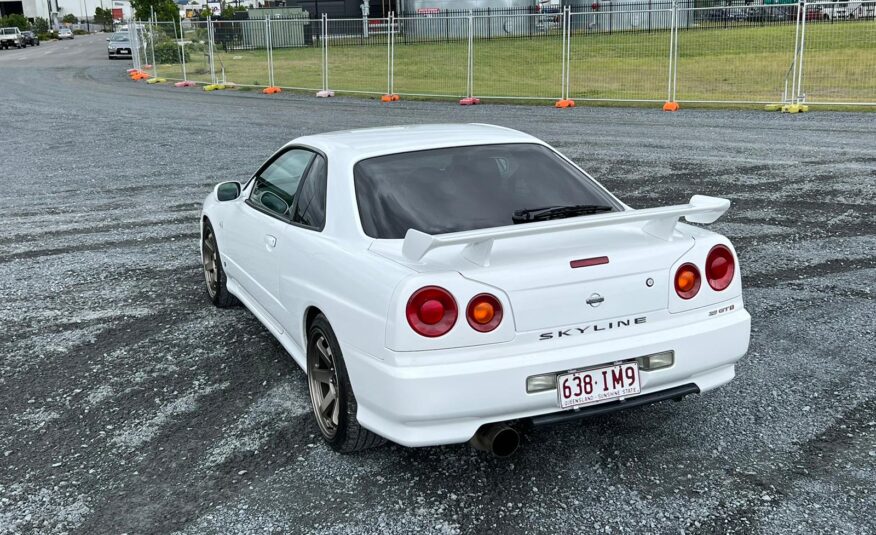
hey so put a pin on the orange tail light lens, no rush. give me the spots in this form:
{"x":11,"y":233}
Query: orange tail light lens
{"x":484,"y":313}
{"x":687,"y":281}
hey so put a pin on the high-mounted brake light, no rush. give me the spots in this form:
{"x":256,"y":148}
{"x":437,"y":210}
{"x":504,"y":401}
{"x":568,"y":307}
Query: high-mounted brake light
{"x":484,"y":313}
{"x":720,"y":267}
{"x":431,"y":311}
{"x":687,"y":281}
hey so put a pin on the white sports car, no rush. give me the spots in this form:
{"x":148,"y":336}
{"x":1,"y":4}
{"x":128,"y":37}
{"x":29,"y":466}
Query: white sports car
{"x":450,"y":283}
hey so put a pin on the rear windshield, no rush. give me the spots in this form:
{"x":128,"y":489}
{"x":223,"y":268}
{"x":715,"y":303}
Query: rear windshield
{"x":465,"y":188}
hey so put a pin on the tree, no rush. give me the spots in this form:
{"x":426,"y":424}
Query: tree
{"x":103,"y":16}
{"x":164,"y":9}
{"x":69,"y":18}
{"x":40,"y":25}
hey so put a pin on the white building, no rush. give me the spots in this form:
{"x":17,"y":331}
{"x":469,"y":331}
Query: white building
{"x":54,"y":10}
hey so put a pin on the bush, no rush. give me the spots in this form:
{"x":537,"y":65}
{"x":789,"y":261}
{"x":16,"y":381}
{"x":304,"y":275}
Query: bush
{"x":167,"y":51}
{"x":45,"y":36}
{"x":80,"y":32}
{"x":41,"y":26}
{"x":15,"y":20}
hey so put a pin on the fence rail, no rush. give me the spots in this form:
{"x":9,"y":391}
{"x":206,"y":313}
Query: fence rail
{"x":807,"y":52}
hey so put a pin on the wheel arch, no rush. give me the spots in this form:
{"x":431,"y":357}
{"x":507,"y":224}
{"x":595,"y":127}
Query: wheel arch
{"x":310,"y":314}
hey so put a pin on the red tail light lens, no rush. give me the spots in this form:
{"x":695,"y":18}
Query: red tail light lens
{"x":687,"y":281}
{"x":431,"y":311}
{"x":484,"y":313}
{"x":720,"y":267}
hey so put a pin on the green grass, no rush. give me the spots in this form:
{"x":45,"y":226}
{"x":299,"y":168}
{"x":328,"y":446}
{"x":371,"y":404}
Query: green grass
{"x":738,"y":64}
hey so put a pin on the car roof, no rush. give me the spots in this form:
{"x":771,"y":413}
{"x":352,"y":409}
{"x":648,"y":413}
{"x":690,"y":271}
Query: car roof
{"x":369,"y":142}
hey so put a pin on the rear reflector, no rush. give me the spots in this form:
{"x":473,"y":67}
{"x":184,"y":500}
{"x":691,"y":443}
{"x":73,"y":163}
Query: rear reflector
{"x":587,"y":262}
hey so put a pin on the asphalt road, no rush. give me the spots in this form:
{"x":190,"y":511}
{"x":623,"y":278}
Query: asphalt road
{"x":130,"y":405}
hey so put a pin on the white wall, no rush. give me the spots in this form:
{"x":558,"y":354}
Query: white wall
{"x":76,"y":7}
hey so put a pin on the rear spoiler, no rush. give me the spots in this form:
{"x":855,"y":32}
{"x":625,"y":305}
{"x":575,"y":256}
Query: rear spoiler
{"x":659,"y":222}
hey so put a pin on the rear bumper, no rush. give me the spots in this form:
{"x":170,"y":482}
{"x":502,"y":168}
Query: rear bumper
{"x":447,"y":403}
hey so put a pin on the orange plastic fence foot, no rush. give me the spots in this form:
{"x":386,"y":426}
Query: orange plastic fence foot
{"x":389,"y":97}
{"x":272,"y":90}
{"x":185,"y":83}
{"x":469,"y":101}
{"x":140,"y":75}
{"x":670,"y":106}
{"x":565,"y":103}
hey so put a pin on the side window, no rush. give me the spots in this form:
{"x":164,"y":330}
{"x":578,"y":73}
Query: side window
{"x":310,"y":210}
{"x":275,"y":187}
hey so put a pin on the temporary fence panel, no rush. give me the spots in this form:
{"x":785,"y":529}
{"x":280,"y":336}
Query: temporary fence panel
{"x":502,"y":41}
{"x":167,"y":51}
{"x":297,"y":52}
{"x":357,"y":55}
{"x":839,"y":53}
{"x":619,"y":54}
{"x":431,"y":56}
{"x":736,"y":54}
{"x":195,"y":42}
{"x":240,"y":52}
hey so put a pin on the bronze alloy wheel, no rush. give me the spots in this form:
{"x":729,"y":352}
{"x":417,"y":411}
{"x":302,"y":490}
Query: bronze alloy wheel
{"x":210,"y":258}
{"x":322,"y":379}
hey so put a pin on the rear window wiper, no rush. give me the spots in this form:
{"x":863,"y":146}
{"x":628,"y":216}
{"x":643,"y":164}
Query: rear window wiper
{"x":557,"y":212}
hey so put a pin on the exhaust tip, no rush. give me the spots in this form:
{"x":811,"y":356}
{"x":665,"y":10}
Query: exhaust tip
{"x":506,"y":442}
{"x":498,"y":439}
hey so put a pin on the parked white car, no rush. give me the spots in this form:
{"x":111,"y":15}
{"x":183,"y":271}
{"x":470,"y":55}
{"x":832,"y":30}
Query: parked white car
{"x":448,"y":283}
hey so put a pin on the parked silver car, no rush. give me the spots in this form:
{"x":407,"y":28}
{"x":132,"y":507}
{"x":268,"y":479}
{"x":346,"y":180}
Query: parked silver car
{"x":119,"y":46}
{"x":65,"y":33}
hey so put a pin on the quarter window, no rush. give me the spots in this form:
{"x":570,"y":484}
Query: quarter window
{"x":275,"y":187}
{"x":310,"y":208}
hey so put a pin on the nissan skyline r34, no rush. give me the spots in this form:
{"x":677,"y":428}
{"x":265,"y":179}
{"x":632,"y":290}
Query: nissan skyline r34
{"x":450,"y":283}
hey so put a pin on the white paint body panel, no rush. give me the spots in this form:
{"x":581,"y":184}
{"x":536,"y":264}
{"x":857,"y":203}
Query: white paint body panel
{"x":420,"y":391}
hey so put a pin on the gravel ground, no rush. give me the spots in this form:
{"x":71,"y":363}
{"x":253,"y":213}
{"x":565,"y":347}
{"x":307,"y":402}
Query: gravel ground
{"x":130,"y":405}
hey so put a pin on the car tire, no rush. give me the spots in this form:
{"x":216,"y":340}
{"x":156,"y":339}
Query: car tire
{"x":214,"y":275}
{"x":331,"y":394}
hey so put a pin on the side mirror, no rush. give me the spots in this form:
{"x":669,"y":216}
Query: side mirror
{"x":107,"y":38}
{"x":228,"y":191}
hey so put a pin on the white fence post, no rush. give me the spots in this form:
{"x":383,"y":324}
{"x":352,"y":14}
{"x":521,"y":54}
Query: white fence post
{"x":563,"y":60}
{"x":390,"y":59}
{"x":568,"y":29}
{"x":152,"y":44}
{"x":800,"y":96}
{"x":325,"y":91}
{"x":470,"y":69}
{"x":213,"y":79}
{"x":182,"y":50}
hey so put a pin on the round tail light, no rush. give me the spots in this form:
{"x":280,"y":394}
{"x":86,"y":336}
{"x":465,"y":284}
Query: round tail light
{"x":687,"y":281}
{"x":484,"y":313}
{"x":720,"y":267}
{"x":431,"y":311}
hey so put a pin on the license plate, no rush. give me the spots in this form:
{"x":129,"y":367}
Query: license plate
{"x":124,"y":51}
{"x":598,"y":385}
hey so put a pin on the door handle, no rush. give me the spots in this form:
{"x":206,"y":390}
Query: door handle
{"x":270,"y":241}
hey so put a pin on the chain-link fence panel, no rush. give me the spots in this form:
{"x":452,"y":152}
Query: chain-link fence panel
{"x":297,"y":51}
{"x":736,"y":54}
{"x":431,"y":55}
{"x":240,"y":54}
{"x":839,"y":53}
{"x":518,"y":56}
{"x":357,"y":55}
{"x":619,"y":53}
{"x":166,"y":51}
